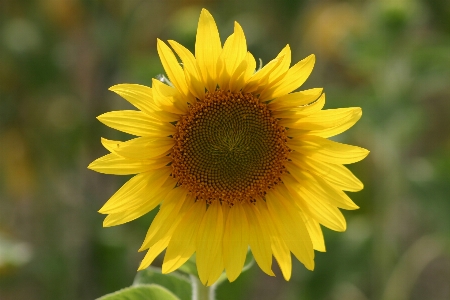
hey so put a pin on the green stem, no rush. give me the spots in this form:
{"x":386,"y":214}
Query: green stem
{"x":201,"y":292}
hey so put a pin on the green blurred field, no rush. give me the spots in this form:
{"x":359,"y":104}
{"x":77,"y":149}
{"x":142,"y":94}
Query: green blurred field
{"x":58,"y":58}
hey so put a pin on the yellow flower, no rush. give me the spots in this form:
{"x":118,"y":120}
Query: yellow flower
{"x":233,"y":157}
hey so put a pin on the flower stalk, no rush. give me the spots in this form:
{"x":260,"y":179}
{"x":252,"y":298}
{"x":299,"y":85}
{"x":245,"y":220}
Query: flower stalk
{"x":202,"y":292}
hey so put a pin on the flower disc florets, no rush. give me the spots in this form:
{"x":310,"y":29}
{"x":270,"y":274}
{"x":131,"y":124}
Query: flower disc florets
{"x":229,"y":148}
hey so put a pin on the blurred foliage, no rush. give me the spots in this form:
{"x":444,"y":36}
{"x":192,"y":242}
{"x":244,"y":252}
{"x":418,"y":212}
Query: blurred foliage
{"x":58,"y":58}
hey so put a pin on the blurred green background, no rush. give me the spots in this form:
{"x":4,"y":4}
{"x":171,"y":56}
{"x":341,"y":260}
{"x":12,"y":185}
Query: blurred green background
{"x":58,"y":58}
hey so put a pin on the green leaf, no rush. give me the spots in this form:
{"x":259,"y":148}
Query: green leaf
{"x":177,"y":283}
{"x":141,"y":292}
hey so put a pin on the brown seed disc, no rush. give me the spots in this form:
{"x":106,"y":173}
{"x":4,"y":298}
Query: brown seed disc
{"x":229,"y":148}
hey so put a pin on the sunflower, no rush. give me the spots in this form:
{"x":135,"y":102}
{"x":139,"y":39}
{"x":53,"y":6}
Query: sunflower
{"x":233,"y":157}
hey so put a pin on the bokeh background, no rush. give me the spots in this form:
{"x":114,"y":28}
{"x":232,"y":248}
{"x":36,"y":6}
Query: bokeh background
{"x":58,"y":58}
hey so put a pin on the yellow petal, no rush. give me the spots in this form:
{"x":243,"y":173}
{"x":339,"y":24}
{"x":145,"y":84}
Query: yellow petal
{"x":168,"y":98}
{"x":223,"y":78}
{"x":209,"y":244}
{"x":293,"y":114}
{"x":335,"y":174}
{"x":251,"y":66}
{"x":192,"y":73}
{"x":144,"y":187}
{"x":295,"y":99}
{"x":216,"y":269}
{"x":165,"y":235}
{"x":288,"y":220}
{"x":225,"y":211}
{"x":140,"y":148}
{"x":182,"y":244}
{"x":233,"y":53}
{"x":172,"y":68}
{"x":277,"y":74}
{"x":142,"y":97}
{"x":235,"y":241}
{"x":290,"y":117}
{"x":109,"y":144}
{"x":259,"y":80}
{"x":280,"y":71}
{"x":136,"y":123}
{"x":259,"y":239}
{"x":321,"y":189}
{"x":326,"y":118}
{"x":282,"y":256}
{"x":330,"y":193}
{"x":126,"y":216}
{"x":207,"y":49}
{"x":119,"y":165}
{"x":133,"y":212}
{"x":296,"y":133}
{"x":332,"y":131}
{"x":237,"y":81}
{"x":293,"y":79}
{"x":165,"y":116}
{"x":167,"y":216}
{"x":327,"y":151}
{"x":154,"y":251}
{"x":315,"y":232}
{"x":139,"y":95}
{"x":309,"y":202}
{"x":279,"y":248}
{"x":311,"y":108}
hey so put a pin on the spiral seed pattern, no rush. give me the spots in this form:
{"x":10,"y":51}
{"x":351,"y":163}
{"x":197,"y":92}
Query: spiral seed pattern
{"x":229,"y":148}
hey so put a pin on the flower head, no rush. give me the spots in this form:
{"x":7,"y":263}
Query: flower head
{"x":233,"y":157}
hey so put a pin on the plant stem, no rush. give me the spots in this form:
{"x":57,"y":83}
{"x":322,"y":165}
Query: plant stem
{"x":201,"y":292}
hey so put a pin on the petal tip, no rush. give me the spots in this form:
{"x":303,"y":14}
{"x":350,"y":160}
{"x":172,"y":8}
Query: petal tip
{"x":233,"y":277}
{"x":104,"y":140}
{"x":310,"y":266}
{"x":101,"y":117}
{"x":205,"y":14}
{"x":166,"y":268}
{"x":114,"y":88}
{"x":356,"y":110}
{"x":93,"y":166}
{"x":205,"y":11}
{"x":353,"y":207}
{"x":142,"y":266}
{"x":237,"y":26}
{"x":107,"y":223}
{"x":365,"y":152}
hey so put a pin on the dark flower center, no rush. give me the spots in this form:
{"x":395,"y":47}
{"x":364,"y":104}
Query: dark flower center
{"x":229,"y":148}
